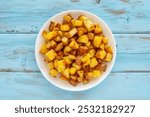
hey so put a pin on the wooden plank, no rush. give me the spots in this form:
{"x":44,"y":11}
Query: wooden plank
{"x":18,"y":16}
{"x":34,"y":86}
{"x":17,"y":53}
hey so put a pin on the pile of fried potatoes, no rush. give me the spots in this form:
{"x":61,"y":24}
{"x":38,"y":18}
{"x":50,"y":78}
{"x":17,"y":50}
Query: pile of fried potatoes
{"x":76,"y":50}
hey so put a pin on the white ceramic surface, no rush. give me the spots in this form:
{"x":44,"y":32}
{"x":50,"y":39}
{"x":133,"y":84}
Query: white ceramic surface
{"x":57,"y":81}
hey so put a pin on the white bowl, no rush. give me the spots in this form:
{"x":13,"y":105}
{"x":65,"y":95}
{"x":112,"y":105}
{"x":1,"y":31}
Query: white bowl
{"x":59,"y":82}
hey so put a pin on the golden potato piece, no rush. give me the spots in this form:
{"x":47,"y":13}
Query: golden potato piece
{"x":80,"y":79}
{"x":93,"y":62}
{"x":108,"y":49}
{"x":73,"y":82}
{"x":96,"y":73}
{"x":72,"y":57}
{"x":74,"y":45}
{"x":61,"y":66}
{"x":81,"y":31}
{"x":51,"y":35}
{"x":105,"y":40}
{"x":83,"y":39}
{"x":92,"y":52}
{"x":102,"y":46}
{"x":58,"y":38}
{"x":50,"y":65}
{"x":80,"y":73}
{"x":100,"y":54}
{"x":90,"y":36}
{"x":67,"y":49}
{"x":67,"y":60}
{"x":53,"y":72}
{"x":78,"y":23}
{"x":44,"y":34}
{"x":65,"y":27}
{"x":97,"y":41}
{"x":86,"y":57}
{"x":82,"y":50}
{"x":108,"y":57}
{"x":52,"y":25}
{"x":59,"y":47}
{"x":43,"y":49}
{"x":87,"y":63}
{"x":85,"y":81}
{"x":97,"y":29}
{"x":72,"y":70}
{"x":67,"y":18}
{"x":55,"y":63}
{"x":72,"y":32}
{"x":82,"y":18}
{"x":65,"y":40}
{"x":66,"y":73}
{"x":51,"y":54}
{"x":63,"y":78}
{"x":78,"y":67}
{"x":89,"y":75}
{"x":89,"y":25}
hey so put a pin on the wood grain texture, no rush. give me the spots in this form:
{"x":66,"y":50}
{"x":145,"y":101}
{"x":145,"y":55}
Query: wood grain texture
{"x":123,"y":17}
{"x":34,"y":86}
{"x":17,"y":53}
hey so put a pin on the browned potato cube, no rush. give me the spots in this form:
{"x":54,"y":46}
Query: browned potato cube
{"x":61,"y":66}
{"x":72,"y":70}
{"x":105,"y":40}
{"x":58,"y":38}
{"x":59,"y":47}
{"x":53,"y":72}
{"x":81,"y":31}
{"x":97,"y":29}
{"x":82,"y":18}
{"x":83,"y":39}
{"x":67,"y":49}
{"x":108,"y":49}
{"x":78,"y":67}
{"x":90,"y":36}
{"x":73,"y":82}
{"x":89,"y":75}
{"x":67,"y":18}
{"x":63,"y":78}
{"x":80,"y":73}
{"x":66,"y":73}
{"x":102,"y":46}
{"x":74,"y":45}
{"x":72,"y":32}
{"x":44,"y":34}
{"x":92,"y":52}
{"x":65,"y":27}
{"x":87,"y":63}
{"x":88,"y":25}
{"x":96,"y":73}
{"x":43,"y":49}
{"x":86,"y":57}
{"x":51,"y":54}
{"x":108,"y":57}
{"x":78,"y":60}
{"x":97,"y":41}
{"x":77,"y":23}
{"x":51,"y":35}
{"x":50,"y":65}
{"x":65,"y":40}
{"x":93,"y":62}
{"x":85,"y":81}
{"x":52,"y":25}
{"x":100,"y":54}
{"x":82,"y":50}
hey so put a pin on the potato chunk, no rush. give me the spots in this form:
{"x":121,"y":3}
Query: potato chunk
{"x":51,"y":35}
{"x":82,"y":49}
{"x":108,"y":57}
{"x":73,"y":82}
{"x":81,"y":31}
{"x":93,"y":62}
{"x":92,"y":52}
{"x":97,"y":41}
{"x":88,"y":25}
{"x":100,"y":54}
{"x":65,"y":27}
{"x":43,"y":49}
{"x":77,"y":23}
{"x":72,"y":70}
{"x":78,"y":67}
{"x":66,"y":73}
{"x":53,"y":72}
{"x":96,"y":73}
{"x":72,"y":32}
{"x":65,"y":40}
{"x":90,"y":36}
{"x":82,"y":18}
{"x":83,"y":39}
{"x":105,"y":40}
{"x":51,"y":54}
{"x":59,"y":47}
{"x":67,"y":18}
{"x":86,"y":57}
{"x":50,"y":65}
{"x":108,"y":49}
{"x":74,"y":45}
{"x":97,"y":29}
{"x":61,"y":65}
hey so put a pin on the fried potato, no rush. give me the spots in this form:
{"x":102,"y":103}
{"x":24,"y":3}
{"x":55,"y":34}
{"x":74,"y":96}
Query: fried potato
{"x":51,"y":54}
{"x":83,"y":39}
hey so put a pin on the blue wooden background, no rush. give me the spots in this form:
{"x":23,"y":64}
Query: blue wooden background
{"x":20,"y":21}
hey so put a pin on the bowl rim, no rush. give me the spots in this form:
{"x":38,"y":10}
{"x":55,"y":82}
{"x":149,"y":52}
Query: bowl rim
{"x":106,"y":73}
